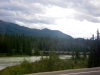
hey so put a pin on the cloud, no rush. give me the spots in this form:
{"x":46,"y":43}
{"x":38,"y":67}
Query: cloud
{"x":74,"y":17}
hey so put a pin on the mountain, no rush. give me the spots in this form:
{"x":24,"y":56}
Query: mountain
{"x":11,"y":28}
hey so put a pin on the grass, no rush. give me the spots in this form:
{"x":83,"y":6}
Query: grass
{"x":44,"y":65}
{"x":53,"y":63}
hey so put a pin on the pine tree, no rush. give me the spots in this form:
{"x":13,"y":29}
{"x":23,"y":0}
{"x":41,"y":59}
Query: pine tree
{"x":29,"y":48}
{"x":84,"y":53}
{"x":94,"y":57}
{"x":73,"y":55}
{"x":77,"y":53}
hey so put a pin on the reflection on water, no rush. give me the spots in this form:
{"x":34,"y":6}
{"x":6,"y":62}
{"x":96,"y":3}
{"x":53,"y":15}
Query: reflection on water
{"x":10,"y":61}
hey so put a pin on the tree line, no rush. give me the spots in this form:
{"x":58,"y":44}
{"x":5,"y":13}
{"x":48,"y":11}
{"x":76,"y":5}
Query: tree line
{"x":13,"y":44}
{"x":22,"y":44}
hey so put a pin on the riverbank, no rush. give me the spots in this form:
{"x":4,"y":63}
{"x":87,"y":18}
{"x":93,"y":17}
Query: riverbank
{"x":11,"y":61}
{"x":43,"y":66}
{"x":53,"y":63}
{"x":15,"y":55}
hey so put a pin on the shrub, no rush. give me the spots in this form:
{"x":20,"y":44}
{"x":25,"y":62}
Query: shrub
{"x":15,"y":71}
{"x":26,"y":67}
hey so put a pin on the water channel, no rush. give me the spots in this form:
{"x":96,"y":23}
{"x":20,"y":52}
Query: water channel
{"x":10,"y":61}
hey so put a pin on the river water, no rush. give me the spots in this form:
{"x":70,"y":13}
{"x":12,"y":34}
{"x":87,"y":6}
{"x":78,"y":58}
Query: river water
{"x":10,"y":61}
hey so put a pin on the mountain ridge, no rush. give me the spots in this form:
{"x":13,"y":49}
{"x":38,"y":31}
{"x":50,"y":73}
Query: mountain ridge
{"x":12,"y":28}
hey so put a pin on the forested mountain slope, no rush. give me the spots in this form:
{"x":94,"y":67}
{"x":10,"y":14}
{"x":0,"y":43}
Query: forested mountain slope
{"x":11,"y":28}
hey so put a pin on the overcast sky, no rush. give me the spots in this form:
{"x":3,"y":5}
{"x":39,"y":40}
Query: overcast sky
{"x":78,"y":18}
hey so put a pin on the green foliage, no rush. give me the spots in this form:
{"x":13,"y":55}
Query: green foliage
{"x":77,"y":54}
{"x":84,"y":54}
{"x":26,"y":67}
{"x":50,"y":63}
{"x":15,"y":71}
{"x":94,"y":57}
{"x":91,"y":60}
{"x":73,"y":54}
{"x":36,"y":52}
{"x":14,"y":44}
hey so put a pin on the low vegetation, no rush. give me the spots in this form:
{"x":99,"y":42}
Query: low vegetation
{"x":51,"y":63}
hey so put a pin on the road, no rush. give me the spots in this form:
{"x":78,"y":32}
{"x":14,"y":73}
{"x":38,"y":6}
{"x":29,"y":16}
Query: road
{"x":87,"y":71}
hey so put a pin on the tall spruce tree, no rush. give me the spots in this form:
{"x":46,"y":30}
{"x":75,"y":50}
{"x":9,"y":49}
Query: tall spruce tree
{"x":94,"y":57}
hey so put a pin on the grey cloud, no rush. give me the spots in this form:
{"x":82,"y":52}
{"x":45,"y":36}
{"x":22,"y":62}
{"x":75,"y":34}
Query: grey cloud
{"x":89,"y":12}
{"x":13,"y":16}
{"x":11,"y":10}
{"x":87,"y":17}
{"x":19,"y":6}
{"x":35,"y":21}
{"x":10,"y":6}
{"x":6,"y":13}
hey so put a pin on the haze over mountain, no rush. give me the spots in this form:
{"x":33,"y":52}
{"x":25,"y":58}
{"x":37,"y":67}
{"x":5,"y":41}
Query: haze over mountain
{"x":11,"y":28}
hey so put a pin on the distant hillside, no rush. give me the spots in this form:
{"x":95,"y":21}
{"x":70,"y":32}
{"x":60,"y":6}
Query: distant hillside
{"x":11,"y":28}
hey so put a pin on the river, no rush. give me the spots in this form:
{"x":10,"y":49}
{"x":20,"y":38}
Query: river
{"x":10,"y":61}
